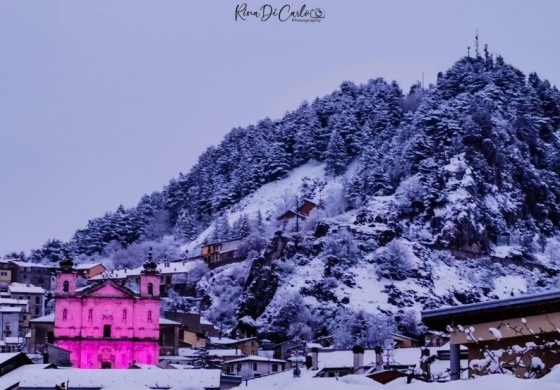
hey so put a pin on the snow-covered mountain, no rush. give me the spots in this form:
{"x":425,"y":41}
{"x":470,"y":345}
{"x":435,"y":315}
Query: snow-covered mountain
{"x":440,"y":196}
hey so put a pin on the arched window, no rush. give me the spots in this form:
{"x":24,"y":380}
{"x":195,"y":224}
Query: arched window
{"x":64,"y":314}
{"x":65,"y":286}
{"x":150,"y":289}
{"x":149,"y":316}
{"x":90,"y":314}
{"x":124,"y":314}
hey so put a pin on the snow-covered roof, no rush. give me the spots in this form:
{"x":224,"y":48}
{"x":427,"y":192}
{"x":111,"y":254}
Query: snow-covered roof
{"x":12,"y":378}
{"x":14,"y":340}
{"x":494,"y":310}
{"x":46,"y":318}
{"x":190,"y":352}
{"x":21,"y":288}
{"x":124,"y":379}
{"x":228,"y":341}
{"x":255,"y":358}
{"x":165,"y":321}
{"x":85,"y":266}
{"x":166,"y":268}
{"x":10,"y":309}
{"x":35,"y":265}
{"x":13,"y":301}
{"x":4,"y":357}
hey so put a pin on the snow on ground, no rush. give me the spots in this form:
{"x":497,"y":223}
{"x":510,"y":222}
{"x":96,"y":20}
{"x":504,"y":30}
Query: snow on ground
{"x":446,"y":280}
{"x":509,"y":286}
{"x":286,"y":381}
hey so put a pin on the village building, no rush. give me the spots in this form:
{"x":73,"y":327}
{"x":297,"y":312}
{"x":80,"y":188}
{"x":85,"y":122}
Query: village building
{"x":254,"y":366}
{"x":89,"y":270}
{"x":172,"y":274}
{"x":23,"y":304}
{"x":41,"y":333}
{"x":221,"y":252}
{"x":5,"y":274}
{"x":402,"y":341}
{"x":35,"y":296}
{"x":247,"y":346}
{"x":525,"y":328}
{"x":107,"y":325}
{"x":40,"y":275}
{"x":302,"y":211}
{"x":194,"y":329}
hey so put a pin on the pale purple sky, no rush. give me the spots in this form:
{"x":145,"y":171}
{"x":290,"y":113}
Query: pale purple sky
{"x":103,"y":101}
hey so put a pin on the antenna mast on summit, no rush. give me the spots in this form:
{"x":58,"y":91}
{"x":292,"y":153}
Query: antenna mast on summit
{"x":476,"y":44}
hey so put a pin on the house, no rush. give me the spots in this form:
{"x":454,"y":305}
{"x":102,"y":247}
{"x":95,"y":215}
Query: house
{"x":172,"y":275}
{"x":34,"y":294}
{"x":5,"y":274}
{"x":107,"y":325}
{"x":9,"y":321}
{"x":41,"y":275}
{"x":286,"y":349}
{"x":89,"y":270}
{"x":402,"y":341}
{"x":23,"y":304}
{"x":221,"y":252}
{"x":168,"y":336}
{"x":525,"y":327}
{"x":247,"y":346}
{"x":194,"y":328}
{"x":301,"y":212}
{"x":42,"y":332}
{"x":254,"y":366}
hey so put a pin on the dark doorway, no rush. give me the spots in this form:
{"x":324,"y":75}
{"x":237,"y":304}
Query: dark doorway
{"x":106,"y":331}
{"x":105,"y":365}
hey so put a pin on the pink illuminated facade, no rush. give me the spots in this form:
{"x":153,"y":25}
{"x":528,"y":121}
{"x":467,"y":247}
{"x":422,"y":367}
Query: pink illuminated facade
{"x":107,"y":325}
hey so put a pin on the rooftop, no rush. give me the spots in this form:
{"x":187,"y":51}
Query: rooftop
{"x":123,"y":379}
{"x":174,"y":267}
{"x":86,"y":266}
{"x":24,"y":288}
{"x":521,"y":306}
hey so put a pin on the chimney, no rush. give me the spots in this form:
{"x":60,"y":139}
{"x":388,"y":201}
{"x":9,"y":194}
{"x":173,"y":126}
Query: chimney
{"x":315,"y":358}
{"x":378,"y":358}
{"x":358,"y":352}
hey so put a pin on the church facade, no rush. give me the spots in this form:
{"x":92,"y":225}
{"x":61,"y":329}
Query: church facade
{"x":107,"y":325}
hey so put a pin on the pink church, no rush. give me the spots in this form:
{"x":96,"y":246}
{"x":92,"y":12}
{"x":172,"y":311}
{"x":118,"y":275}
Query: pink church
{"x":107,"y":325}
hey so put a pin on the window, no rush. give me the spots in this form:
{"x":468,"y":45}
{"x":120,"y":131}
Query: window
{"x":65,"y":286}
{"x":64,"y":314}
{"x":106,"y":331}
{"x":90,"y":314}
{"x":150,"y":289}
{"x":274,"y":367}
{"x":254,"y":366}
{"x":124,"y":315}
{"x":38,"y":300}
{"x":24,"y":318}
{"x":149,"y":316}
{"x":238,"y":367}
{"x":37,"y":311}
